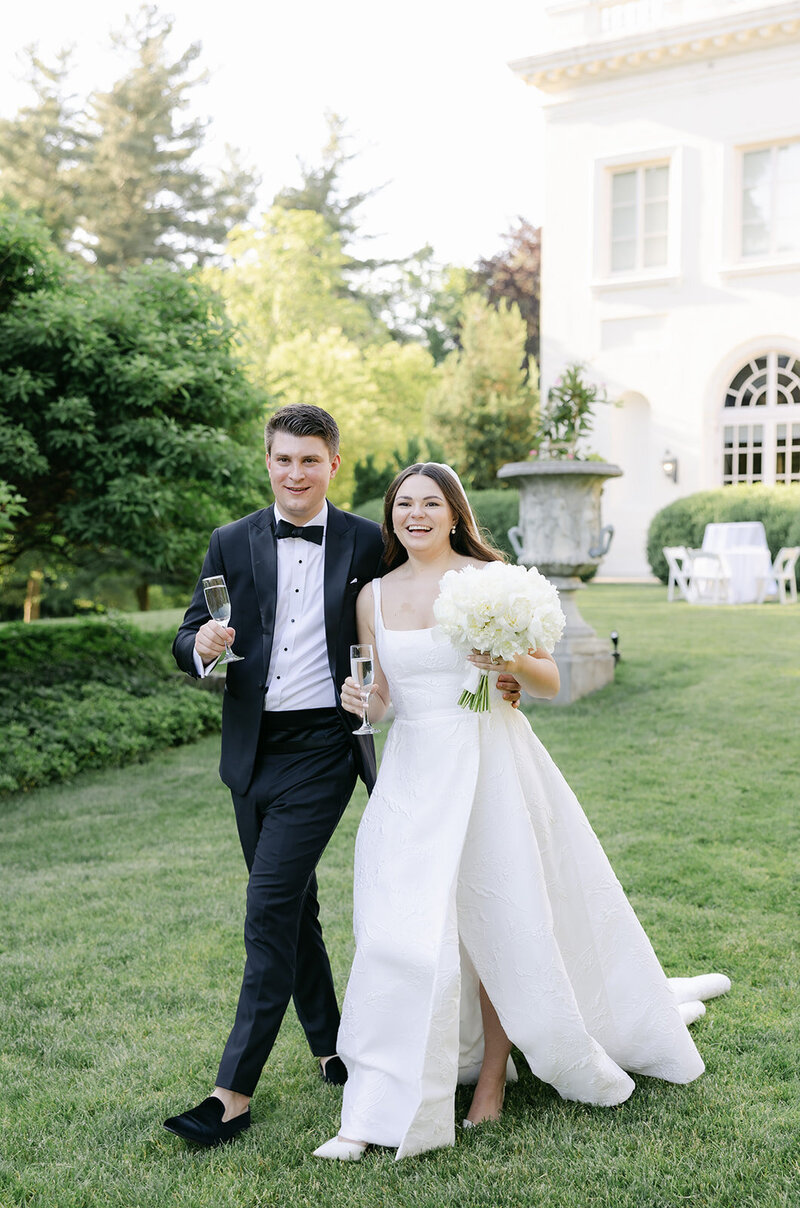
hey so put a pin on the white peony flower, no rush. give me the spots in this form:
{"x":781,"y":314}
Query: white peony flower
{"x":501,"y":610}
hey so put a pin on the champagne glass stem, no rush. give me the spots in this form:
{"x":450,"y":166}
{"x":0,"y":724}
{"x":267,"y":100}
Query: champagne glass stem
{"x":365,"y":702}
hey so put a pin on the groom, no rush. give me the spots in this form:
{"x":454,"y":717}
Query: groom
{"x":293,"y":572}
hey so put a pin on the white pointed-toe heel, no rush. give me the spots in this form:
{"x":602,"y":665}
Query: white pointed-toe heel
{"x":690,"y":1011}
{"x":694,"y":989}
{"x":342,"y":1151}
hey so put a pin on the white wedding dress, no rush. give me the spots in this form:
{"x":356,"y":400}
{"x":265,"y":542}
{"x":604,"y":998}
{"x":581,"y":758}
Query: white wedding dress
{"x":475,"y":860}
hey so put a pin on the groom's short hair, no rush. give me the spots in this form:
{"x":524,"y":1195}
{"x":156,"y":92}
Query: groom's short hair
{"x":304,"y":419}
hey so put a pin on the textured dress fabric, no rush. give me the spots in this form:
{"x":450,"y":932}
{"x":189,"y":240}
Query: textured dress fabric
{"x":474,"y":860}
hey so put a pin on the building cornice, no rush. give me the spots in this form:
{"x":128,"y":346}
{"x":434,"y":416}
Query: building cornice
{"x":650,"y":50}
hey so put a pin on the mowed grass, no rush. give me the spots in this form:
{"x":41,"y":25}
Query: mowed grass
{"x":122,"y":903}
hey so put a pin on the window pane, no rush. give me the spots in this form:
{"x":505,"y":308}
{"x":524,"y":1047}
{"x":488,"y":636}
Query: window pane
{"x":756,"y":201}
{"x":655,"y":251}
{"x":623,"y":222}
{"x":656,"y":182}
{"x":789,"y":162}
{"x":756,"y":167}
{"x":755,"y":240}
{"x":623,"y":255}
{"x":655,"y":217}
{"x":623,"y":188}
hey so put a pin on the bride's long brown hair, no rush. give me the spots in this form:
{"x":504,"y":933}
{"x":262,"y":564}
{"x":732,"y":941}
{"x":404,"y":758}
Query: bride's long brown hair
{"x":466,"y":540}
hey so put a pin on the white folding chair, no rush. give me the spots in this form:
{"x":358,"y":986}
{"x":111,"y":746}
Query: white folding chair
{"x":679,"y":565}
{"x":710,"y":577}
{"x":783,"y":572}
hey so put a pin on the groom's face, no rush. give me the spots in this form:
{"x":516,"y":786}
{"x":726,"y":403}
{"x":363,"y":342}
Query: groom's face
{"x":300,"y":468}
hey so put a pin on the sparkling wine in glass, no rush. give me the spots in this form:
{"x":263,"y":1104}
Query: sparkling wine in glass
{"x":219,"y":605}
{"x":362,"y":669}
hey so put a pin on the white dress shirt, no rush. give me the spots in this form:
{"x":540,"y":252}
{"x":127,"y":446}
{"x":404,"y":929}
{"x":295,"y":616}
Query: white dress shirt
{"x":299,"y":675}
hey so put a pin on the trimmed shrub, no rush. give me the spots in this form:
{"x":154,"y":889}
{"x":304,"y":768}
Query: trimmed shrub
{"x":683,"y":522}
{"x":90,"y":694}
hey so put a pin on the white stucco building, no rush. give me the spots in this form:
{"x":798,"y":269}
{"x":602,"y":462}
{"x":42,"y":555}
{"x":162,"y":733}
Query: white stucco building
{"x":671,"y":245}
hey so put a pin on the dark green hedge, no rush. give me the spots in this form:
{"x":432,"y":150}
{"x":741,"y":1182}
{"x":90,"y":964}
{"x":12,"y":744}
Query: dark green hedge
{"x":683,"y":522}
{"x":90,"y":694}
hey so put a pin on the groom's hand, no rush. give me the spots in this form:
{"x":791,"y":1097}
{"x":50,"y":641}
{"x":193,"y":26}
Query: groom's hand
{"x":210,"y":640}
{"x":510,"y":689}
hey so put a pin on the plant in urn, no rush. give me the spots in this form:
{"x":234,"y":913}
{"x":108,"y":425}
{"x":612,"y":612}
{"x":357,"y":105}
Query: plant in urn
{"x":560,"y":529}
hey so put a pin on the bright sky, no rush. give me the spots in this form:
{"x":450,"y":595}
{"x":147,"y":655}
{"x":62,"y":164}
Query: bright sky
{"x":433,"y":107}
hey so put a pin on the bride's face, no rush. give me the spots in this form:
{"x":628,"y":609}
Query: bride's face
{"x":421,"y":516}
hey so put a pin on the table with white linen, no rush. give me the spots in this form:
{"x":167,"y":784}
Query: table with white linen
{"x":743,"y":547}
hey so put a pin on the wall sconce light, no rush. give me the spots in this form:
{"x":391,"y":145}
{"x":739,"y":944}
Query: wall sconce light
{"x":669,"y":464}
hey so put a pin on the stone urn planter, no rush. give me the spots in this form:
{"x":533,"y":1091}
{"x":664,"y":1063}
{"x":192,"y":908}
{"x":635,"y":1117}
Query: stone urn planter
{"x":560,"y":532}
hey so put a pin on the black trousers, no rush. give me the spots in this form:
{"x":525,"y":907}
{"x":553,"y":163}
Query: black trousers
{"x":305,"y":775}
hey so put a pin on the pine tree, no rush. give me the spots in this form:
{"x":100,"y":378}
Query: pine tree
{"x":42,"y":149}
{"x":144,"y":196}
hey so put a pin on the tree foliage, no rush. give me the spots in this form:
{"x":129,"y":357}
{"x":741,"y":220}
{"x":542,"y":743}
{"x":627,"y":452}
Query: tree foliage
{"x":320,"y":188}
{"x":286,"y":277}
{"x":486,"y":403}
{"x":41,"y":150}
{"x":514,"y":276}
{"x":119,"y":175}
{"x":126,"y":424}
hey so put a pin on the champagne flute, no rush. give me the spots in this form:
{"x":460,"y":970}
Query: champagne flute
{"x":219,"y":605}
{"x":362,"y":669}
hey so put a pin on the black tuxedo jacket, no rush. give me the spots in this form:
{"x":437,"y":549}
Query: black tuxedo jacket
{"x":245,"y":553}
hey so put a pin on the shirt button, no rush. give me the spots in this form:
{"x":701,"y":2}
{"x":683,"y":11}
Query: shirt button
{"x":297,"y":589}
{"x":285,"y":648}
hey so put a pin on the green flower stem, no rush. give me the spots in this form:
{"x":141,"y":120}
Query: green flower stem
{"x":477,"y":701}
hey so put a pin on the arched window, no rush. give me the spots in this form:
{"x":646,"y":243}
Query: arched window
{"x":761,"y":422}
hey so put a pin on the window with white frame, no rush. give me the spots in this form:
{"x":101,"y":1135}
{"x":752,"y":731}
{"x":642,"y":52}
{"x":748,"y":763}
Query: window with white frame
{"x":639,"y":216}
{"x":771,"y":200}
{"x":761,"y":422}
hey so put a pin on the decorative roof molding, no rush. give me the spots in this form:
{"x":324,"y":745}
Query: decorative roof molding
{"x":653,"y":49}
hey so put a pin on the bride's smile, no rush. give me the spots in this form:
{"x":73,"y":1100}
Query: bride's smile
{"x":421,"y":516}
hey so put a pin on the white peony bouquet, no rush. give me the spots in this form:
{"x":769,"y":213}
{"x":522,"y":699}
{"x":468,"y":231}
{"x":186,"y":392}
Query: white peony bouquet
{"x":501,"y":610}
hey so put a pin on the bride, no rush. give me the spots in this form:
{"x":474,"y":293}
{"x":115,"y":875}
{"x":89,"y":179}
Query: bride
{"x":485,"y":910}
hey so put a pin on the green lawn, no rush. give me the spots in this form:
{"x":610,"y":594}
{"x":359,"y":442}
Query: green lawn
{"x":120,"y":956}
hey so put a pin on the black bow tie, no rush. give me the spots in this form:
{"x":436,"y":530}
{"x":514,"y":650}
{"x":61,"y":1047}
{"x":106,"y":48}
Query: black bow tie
{"x":312,"y":532}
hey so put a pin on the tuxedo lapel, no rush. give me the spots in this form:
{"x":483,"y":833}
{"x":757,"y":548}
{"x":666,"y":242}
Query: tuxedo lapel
{"x":339,"y":545}
{"x":264,"y":561}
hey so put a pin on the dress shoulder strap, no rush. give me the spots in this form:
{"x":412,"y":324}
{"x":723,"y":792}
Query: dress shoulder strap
{"x":376,"y":601}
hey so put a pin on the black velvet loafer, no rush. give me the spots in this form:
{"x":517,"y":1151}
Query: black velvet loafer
{"x":203,"y":1125}
{"x":335,"y":1071}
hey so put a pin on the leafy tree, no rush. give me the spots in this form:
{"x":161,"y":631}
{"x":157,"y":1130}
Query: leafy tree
{"x":373,"y":392}
{"x":127,"y":427}
{"x":486,"y":404}
{"x":304,"y":338}
{"x":513,"y":276}
{"x":28,"y":260}
{"x":42,"y":149}
{"x":421,"y":301}
{"x":287,"y":277}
